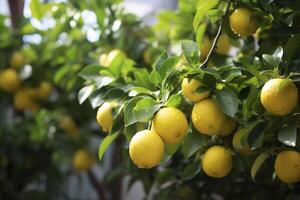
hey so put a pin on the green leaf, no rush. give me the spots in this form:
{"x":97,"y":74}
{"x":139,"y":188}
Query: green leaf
{"x":145,"y":109}
{"x":271,"y":61}
{"x":202,"y":89}
{"x":202,"y":10}
{"x":256,"y":136}
{"x":84,"y":93}
{"x":105,"y":144}
{"x":167,"y":67}
{"x":190,"y":51}
{"x":36,"y":9}
{"x":191,"y":170}
{"x":192,"y":143}
{"x":90,"y":72}
{"x":258,"y":163}
{"x":288,"y":135}
{"x":174,"y":101}
{"x":160,"y":60}
{"x":129,"y":117}
{"x":102,"y":81}
{"x":228,"y":101}
{"x":139,"y":90}
{"x":170,"y":149}
{"x":200,"y":34}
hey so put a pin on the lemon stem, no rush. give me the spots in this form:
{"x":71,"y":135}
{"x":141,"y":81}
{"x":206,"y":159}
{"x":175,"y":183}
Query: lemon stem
{"x":205,"y":63}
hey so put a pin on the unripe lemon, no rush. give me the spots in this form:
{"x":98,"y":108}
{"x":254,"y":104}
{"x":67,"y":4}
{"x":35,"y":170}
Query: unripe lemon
{"x":228,"y":127}
{"x":44,"y":90}
{"x":217,"y":162}
{"x":69,"y":125}
{"x":113,"y":55}
{"x":24,"y":99}
{"x":83,"y":160}
{"x":242,"y":22}
{"x":146,"y":149}
{"x":103,"y":60}
{"x":189,"y":90}
{"x":104,"y":116}
{"x":236,"y":143}
{"x":287,"y":166}
{"x":279,"y":96}
{"x":170,"y":124}
{"x":223,"y":45}
{"x":205,"y":48}
{"x":17,"y":60}
{"x":207,"y":117}
{"x":9,"y":80}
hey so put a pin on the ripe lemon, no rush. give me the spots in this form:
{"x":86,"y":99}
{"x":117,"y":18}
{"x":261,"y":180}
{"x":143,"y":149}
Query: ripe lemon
{"x":24,"y":99}
{"x":287,"y":166}
{"x":279,"y":96}
{"x":17,"y":60}
{"x":207,"y":117}
{"x":242,"y":22}
{"x":205,"y":48}
{"x":103,"y":60}
{"x":68,"y":124}
{"x":228,"y":127}
{"x":189,"y":90}
{"x":170,"y":124}
{"x":104,"y":116}
{"x":9,"y":80}
{"x":236,"y":143}
{"x":83,"y":160}
{"x":217,"y":162}
{"x":223,"y":45}
{"x":44,"y":90}
{"x":146,"y":149}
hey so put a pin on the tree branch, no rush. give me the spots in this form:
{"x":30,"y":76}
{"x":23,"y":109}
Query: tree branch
{"x":204,"y":64}
{"x":16,"y":11}
{"x":97,"y":185}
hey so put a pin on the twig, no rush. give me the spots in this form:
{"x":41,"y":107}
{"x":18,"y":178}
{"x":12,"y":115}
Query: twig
{"x":97,"y":185}
{"x":204,"y":64}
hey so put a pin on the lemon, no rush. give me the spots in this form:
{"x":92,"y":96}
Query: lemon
{"x":207,"y":117}
{"x":205,"y":48}
{"x":287,"y":166}
{"x":104,"y":116}
{"x":217,"y":162}
{"x":24,"y":99}
{"x":170,"y":124}
{"x":146,"y":149}
{"x":228,"y":127}
{"x":44,"y":90}
{"x":279,"y":96}
{"x":17,"y":60}
{"x":9,"y":80}
{"x":103,"y":60}
{"x":189,"y":90}
{"x":83,"y":160}
{"x":68,"y":124}
{"x":236,"y":143}
{"x":223,"y":45}
{"x":242,"y":22}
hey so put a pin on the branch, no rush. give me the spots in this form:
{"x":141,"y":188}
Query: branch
{"x":97,"y":185}
{"x":16,"y":11}
{"x":204,"y":64}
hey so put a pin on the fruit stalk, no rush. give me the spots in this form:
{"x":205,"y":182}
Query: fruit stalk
{"x":204,"y":64}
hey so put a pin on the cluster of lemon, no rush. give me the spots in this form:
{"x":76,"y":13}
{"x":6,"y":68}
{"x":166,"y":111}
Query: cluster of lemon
{"x":24,"y":97}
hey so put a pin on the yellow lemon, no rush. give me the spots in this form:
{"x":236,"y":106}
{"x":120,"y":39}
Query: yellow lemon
{"x":68,"y":124}
{"x":103,"y":60}
{"x":217,"y":162}
{"x":279,"y":96}
{"x":146,"y":149}
{"x":242,"y":22}
{"x":44,"y":90}
{"x":17,"y":60}
{"x":170,"y":124}
{"x":189,"y":90}
{"x":207,"y":117}
{"x":9,"y":80}
{"x":205,"y":48}
{"x":223,"y":45}
{"x":24,"y":99}
{"x":228,"y":127}
{"x":287,"y":166}
{"x":236,"y":143}
{"x":83,"y":160}
{"x":104,"y":116}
